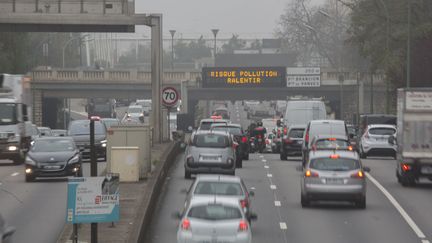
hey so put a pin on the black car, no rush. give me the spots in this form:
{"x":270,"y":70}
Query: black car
{"x":291,"y":144}
{"x":53,"y":157}
{"x":239,"y":136}
{"x":79,"y":130}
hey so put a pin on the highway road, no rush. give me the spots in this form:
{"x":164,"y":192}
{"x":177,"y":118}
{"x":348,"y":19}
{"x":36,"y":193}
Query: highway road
{"x":394,"y":214}
{"x":36,"y":209}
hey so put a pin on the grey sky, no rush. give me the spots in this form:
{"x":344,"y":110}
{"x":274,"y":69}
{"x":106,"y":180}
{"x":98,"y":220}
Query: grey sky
{"x":191,"y":18}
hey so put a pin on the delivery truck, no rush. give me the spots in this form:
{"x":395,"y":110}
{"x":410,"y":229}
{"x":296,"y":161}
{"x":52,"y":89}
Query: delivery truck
{"x":414,"y":135}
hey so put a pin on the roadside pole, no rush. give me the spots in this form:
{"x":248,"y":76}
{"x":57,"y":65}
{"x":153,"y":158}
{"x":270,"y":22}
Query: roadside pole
{"x":93,"y":173}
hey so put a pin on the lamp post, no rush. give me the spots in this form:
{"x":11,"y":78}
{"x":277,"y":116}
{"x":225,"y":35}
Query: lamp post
{"x":408,"y":77}
{"x":387,"y":55}
{"x":67,"y":43}
{"x":215,"y":32}
{"x":172,"y":32}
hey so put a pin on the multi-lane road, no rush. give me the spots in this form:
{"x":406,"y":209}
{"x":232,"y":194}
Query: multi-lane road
{"x":394,"y":214}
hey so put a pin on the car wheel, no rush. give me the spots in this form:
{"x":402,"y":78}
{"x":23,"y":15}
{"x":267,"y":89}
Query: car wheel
{"x":187,"y":175}
{"x":407,"y":181}
{"x":283,"y":156}
{"x":246,"y":157}
{"x":304,"y":201}
{"x":29,"y":178}
{"x":361,"y":203}
{"x":363,"y":155}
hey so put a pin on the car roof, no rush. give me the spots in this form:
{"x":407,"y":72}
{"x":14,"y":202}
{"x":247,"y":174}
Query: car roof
{"x":44,"y":128}
{"x":327,"y":153}
{"x":381,"y":125}
{"x":205,"y":200}
{"x":135,"y":106}
{"x":225,"y":178}
{"x":327,"y":121}
{"x":324,"y":136}
{"x":213,"y":120}
{"x":200,"y":132}
{"x":226,"y":125}
{"x":53,"y":138}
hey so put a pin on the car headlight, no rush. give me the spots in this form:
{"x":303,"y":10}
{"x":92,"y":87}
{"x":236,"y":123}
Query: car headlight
{"x":104,"y":143}
{"x":74,"y":159}
{"x":30,"y":161}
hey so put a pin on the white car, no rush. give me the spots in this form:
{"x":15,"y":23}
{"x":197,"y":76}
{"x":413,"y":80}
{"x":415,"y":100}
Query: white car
{"x":374,"y":141}
{"x":213,"y":219}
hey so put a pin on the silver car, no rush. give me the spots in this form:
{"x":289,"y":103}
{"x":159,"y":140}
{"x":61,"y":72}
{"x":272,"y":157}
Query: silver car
{"x":6,"y":231}
{"x":222,"y":185}
{"x":213,"y":219}
{"x":210,"y":152}
{"x":375,"y":141}
{"x":334,"y":176}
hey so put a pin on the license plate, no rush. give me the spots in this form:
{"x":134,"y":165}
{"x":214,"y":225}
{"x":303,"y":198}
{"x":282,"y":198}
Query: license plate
{"x":336,"y":181}
{"x":426,"y":170}
{"x":52,"y":167}
{"x":210,"y":158}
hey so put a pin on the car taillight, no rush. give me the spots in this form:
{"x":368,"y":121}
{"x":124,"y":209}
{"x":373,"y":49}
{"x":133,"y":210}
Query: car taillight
{"x":185,"y":225}
{"x":258,"y":136}
{"x":310,"y":173}
{"x":244,"y":139}
{"x":243,"y":226}
{"x":285,"y":131}
{"x":350,"y":148}
{"x":334,"y":156}
{"x":358,"y":174}
{"x":244,"y":203}
{"x":307,"y":138}
{"x":406,"y":167}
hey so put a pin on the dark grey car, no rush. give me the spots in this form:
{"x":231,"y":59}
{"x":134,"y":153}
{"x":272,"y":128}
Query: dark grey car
{"x":210,"y":152}
{"x":79,"y":130}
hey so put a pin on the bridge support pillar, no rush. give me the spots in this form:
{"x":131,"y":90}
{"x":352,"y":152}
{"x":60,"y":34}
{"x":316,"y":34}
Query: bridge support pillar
{"x":37,"y":107}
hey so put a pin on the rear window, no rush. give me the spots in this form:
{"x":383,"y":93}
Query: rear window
{"x":382,"y":131}
{"x":232,"y":130}
{"x":214,"y":212}
{"x":331,"y":144}
{"x":218,"y":188}
{"x":296,"y":133}
{"x":207,"y":125}
{"x":211,"y":141}
{"x":328,"y":164}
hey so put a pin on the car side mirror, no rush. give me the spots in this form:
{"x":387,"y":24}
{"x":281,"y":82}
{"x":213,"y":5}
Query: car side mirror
{"x":366,"y":169}
{"x":253,"y":217}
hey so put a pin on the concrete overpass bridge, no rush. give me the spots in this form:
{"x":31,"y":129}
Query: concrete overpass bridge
{"x":51,"y":87}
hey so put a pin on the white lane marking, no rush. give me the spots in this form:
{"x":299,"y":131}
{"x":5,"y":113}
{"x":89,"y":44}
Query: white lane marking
{"x":264,"y":160}
{"x":425,"y":241}
{"x":261,"y":156}
{"x":269,"y":175}
{"x":273,"y":187}
{"x":283,"y":226}
{"x":266,"y":166}
{"x":252,"y":188}
{"x":398,"y":207}
{"x":277,"y":204}
{"x":15,"y":174}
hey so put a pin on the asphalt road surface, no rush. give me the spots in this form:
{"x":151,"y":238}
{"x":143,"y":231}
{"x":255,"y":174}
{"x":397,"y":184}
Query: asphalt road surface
{"x":394,"y":214}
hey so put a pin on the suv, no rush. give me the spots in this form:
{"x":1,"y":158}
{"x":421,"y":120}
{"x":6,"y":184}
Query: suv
{"x":375,"y":141}
{"x":79,"y":130}
{"x":321,"y":127}
{"x":210,"y":152}
{"x":292,"y":142}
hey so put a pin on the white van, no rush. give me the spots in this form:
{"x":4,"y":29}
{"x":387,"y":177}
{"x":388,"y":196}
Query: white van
{"x":300,"y":112}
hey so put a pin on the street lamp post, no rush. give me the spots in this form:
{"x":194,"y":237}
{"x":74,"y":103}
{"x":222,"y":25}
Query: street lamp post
{"x":67,"y":43}
{"x":408,"y":77}
{"x":172,"y":32}
{"x":387,"y":55}
{"x":215,"y":32}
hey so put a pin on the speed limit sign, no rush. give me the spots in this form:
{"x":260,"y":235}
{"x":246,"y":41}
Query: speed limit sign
{"x":170,"y":96}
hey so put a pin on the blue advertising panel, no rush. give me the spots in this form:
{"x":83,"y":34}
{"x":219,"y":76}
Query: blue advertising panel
{"x":93,"y":199}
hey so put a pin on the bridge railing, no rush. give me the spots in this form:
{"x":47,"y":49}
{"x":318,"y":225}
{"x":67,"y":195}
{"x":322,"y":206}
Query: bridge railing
{"x":108,"y":76}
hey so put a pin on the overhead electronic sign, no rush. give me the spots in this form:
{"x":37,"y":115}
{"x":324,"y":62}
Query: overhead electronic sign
{"x":244,"y":77}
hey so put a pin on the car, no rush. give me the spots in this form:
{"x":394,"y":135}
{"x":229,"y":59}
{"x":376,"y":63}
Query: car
{"x":329,"y":142}
{"x":222,"y":185}
{"x":134,"y":112}
{"x":321,"y":127}
{"x":109,"y":122}
{"x":223,"y":112}
{"x":205,"y":124}
{"x":301,"y":111}
{"x":372,"y":119}
{"x":44,"y":131}
{"x":375,"y":141}
{"x":146,"y":105}
{"x":291,"y":144}
{"x":59,"y":132}
{"x":335,"y":176}
{"x":239,"y":136}
{"x":213,"y":219}
{"x":210,"y":152}
{"x":6,"y":231}
{"x":79,"y":130}
{"x":53,"y":157}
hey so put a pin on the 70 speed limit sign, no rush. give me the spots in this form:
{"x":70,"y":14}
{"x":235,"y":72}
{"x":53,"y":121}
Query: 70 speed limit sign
{"x":170,"y":96}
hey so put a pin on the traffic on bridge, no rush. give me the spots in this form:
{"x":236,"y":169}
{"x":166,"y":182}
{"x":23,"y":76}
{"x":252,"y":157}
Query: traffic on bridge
{"x":292,"y":121}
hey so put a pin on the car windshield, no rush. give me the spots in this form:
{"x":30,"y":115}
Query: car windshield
{"x":331,"y":143}
{"x":134,"y":110}
{"x":53,"y":145}
{"x":382,"y":131}
{"x":214,"y":212}
{"x":232,"y":130}
{"x":218,"y":188}
{"x":81,"y":128}
{"x":211,"y":141}
{"x":296,"y":133}
{"x":7,"y":114}
{"x":329,"y":164}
